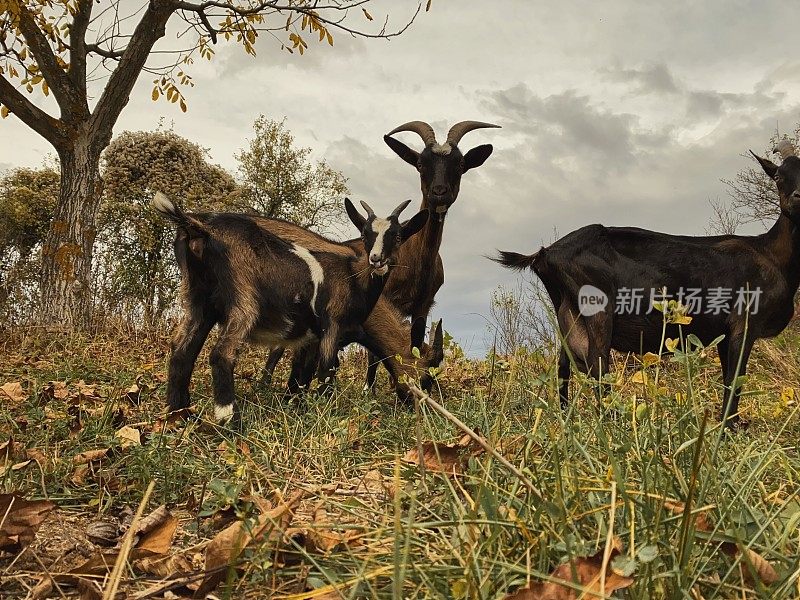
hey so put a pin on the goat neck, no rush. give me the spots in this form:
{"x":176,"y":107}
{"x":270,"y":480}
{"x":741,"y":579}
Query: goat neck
{"x":782,"y":246}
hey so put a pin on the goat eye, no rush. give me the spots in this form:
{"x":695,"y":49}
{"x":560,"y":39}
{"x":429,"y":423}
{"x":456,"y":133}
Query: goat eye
{"x":778,"y":179}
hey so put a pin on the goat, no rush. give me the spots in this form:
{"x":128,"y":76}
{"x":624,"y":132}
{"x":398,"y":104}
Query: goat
{"x":264,"y":289}
{"x":759,"y":275}
{"x":413,"y":285}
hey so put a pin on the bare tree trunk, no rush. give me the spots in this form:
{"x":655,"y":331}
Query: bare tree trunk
{"x":67,"y":250}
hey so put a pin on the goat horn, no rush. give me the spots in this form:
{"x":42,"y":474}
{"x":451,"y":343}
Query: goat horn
{"x":421,"y":128}
{"x":370,"y":212}
{"x":458,"y":130}
{"x":396,"y":212}
{"x":785,"y":148}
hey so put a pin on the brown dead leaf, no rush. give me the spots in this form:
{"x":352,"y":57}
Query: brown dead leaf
{"x":87,"y":392}
{"x":226,"y":546}
{"x":156,"y":531}
{"x":13,"y":391}
{"x":89,"y":456}
{"x":584,"y":572}
{"x":323,"y":537}
{"x":54,"y":390}
{"x":166,"y":566}
{"x":133,"y":394}
{"x":442,"y":458}
{"x":20,"y":519}
{"x":754,"y":566}
{"x":761,"y":566}
{"x":758,"y":565}
{"x":128,"y":436}
{"x":38,"y":456}
{"x":701,"y":522}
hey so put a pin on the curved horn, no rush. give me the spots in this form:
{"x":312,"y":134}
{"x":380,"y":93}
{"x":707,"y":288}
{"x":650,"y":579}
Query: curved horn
{"x":458,"y":130}
{"x":368,"y":208}
{"x":421,"y":128}
{"x":785,"y":148}
{"x":396,"y":212}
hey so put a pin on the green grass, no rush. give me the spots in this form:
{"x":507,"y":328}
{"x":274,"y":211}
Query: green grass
{"x":479,"y":535}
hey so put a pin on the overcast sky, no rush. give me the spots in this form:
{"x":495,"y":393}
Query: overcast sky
{"x":614,"y":112}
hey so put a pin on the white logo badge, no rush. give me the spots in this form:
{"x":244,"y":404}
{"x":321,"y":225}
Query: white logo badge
{"x":591,"y":300}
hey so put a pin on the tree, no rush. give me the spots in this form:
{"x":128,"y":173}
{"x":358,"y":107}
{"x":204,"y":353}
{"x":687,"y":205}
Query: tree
{"x":135,"y":243}
{"x":27,"y":200}
{"x":753,"y":197}
{"x":57,"y":46}
{"x":280,"y":181}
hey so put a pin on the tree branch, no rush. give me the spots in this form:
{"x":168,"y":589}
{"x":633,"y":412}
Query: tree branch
{"x":35,"y":118}
{"x":65,"y":93}
{"x":78,"y":50}
{"x":115,"y":96}
{"x":112,"y":54}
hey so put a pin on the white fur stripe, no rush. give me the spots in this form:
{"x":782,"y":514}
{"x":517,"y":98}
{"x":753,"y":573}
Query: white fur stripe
{"x":317,"y":274}
{"x":380,"y":227}
{"x":223,"y":413}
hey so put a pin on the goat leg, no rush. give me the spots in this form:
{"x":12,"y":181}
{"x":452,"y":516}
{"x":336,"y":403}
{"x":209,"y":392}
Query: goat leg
{"x":372,"y":372}
{"x":222,"y":359}
{"x":733,"y":355}
{"x":188,"y":340}
{"x":275,"y":355}
{"x":564,"y":371}
{"x":328,"y":360}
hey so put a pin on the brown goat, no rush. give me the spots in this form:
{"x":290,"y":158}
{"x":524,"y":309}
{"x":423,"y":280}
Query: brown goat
{"x":413,"y":285}
{"x":263,"y":289}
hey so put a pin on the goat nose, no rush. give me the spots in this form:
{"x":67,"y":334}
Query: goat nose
{"x":439,"y":190}
{"x":374,"y":258}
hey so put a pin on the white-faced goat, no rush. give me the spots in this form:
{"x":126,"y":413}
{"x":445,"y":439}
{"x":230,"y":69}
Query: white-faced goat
{"x":413,"y":285}
{"x":263,"y":289}
{"x":603,"y":282}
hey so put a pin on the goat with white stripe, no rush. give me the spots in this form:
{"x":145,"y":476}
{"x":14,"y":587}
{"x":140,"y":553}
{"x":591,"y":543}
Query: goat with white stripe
{"x":263,"y":289}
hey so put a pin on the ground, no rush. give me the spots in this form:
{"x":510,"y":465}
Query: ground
{"x":338,"y":505}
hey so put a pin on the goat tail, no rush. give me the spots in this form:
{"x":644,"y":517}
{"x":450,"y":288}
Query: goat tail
{"x":514,"y":260}
{"x":174,"y":213}
{"x":196,"y":232}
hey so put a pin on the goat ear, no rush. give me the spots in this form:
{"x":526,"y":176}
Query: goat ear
{"x":418,"y":332}
{"x":403,"y":151}
{"x":414,"y":224}
{"x":477,"y":156}
{"x":770,"y":168}
{"x":355,"y":217}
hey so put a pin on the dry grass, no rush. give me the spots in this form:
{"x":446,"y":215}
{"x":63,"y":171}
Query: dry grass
{"x":376,"y":526}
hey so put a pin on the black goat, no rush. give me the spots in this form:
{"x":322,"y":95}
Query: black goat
{"x":412,"y":287}
{"x":264,"y":289}
{"x":748,"y":283}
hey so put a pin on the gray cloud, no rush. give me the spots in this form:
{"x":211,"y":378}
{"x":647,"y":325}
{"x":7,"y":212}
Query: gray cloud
{"x":654,"y":79}
{"x":603,"y":121}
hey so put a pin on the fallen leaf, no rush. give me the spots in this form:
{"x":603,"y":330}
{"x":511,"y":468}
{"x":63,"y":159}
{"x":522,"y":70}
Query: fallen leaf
{"x":133,"y":394}
{"x":128,"y":436}
{"x":54,"y":390}
{"x":89,"y":456}
{"x":155,"y":532}
{"x":701,"y":522}
{"x":20,"y":520}
{"x":443,"y":458}
{"x":13,"y":390}
{"x":587,"y":574}
{"x":758,"y":565}
{"x":228,"y":544}
{"x":323,"y":537}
